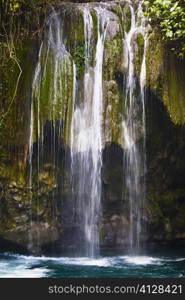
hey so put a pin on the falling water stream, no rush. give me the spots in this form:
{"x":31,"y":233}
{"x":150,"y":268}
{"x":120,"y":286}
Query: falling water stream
{"x":87,"y":139}
{"x":134,"y":128}
{"x":54,"y":64}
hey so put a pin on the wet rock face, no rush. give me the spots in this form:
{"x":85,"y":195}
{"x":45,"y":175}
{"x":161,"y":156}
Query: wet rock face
{"x":165,"y":187}
{"x":73,"y":13}
{"x":114,"y":231}
{"x":38,"y":216}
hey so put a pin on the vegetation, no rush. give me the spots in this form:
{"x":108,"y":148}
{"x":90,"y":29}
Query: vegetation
{"x":21,"y":13}
{"x":19,"y":19}
{"x":168,"y":16}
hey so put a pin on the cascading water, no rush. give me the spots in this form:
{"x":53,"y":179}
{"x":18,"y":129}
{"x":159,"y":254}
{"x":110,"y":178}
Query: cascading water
{"x":72,"y":108}
{"x":84,"y":133}
{"x":134,"y":130}
{"x":30,"y":174}
{"x":35,"y":91}
{"x":87,"y":139}
{"x":52,"y":99}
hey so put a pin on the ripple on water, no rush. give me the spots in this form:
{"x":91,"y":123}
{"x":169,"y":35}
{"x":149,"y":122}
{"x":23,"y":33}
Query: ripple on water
{"x":20,"y":266}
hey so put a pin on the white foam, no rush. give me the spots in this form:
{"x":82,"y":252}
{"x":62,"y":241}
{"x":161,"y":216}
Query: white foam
{"x":173,"y":259}
{"x":116,"y":261}
{"x":179,"y":259}
{"x":85,"y":261}
{"x":3,"y":265}
{"x":141,"y":260}
{"x":24,"y":273}
{"x":10,"y":270}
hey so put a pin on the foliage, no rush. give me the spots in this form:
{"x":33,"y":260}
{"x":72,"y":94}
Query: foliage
{"x":79,"y":56}
{"x":169,"y":17}
{"x":19,"y":19}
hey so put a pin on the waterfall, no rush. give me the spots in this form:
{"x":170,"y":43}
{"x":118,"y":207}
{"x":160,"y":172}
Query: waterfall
{"x":80,"y":120}
{"x":35,"y":91}
{"x":87,"y":139}
{"x":52,"y":100}
{"x":134,"y":130}
{"x":30,"y":174}
{"x":67,"y":113}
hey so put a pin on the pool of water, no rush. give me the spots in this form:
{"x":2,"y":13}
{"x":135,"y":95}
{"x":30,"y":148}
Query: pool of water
{"x":144,"y":266}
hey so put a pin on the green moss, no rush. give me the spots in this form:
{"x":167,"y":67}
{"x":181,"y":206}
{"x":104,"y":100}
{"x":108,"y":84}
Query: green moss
{"x":13,"y":174}
{"x":178,"y":222}
{"x":113,"y":113}
{"x":113,"y":98}
{"x":166,"y":77}
{"x":74,"y":28}
{"x":154,"y":213}
{"x":119,"y":12}
{"x":124,"y":14}
{"x":154,"y":63}
{"x":15,"y":127}
{"x":127,"y":17}
{"x":53,"y":96}
{"x":166,"y":212}
{"x":78,"y":54}
{"x":174,"y":88}
{"x":139,"y":54}
{"x":95,"y":28}
{"x":169,"y":201}
{"x":112,"y":57}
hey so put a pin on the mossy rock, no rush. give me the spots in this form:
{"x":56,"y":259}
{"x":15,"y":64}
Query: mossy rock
{"x":178,"y":222}
{"x":165,"y":76}
{"x":139,"y":52}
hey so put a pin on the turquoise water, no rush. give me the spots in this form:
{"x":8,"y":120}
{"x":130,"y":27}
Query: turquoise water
{"x":144,"y":266}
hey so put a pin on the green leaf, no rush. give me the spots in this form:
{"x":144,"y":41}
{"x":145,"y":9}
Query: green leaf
{"x":169,"y":34}
{"x":174,"y":7}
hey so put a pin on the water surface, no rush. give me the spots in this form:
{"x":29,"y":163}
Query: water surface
{"x":144,"y":266}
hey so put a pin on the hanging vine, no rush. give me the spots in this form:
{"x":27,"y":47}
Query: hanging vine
{"x":12,"y":55}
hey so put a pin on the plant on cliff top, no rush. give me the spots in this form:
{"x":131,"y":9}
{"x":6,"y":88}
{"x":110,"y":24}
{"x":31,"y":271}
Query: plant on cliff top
{"x":169,"y":17}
